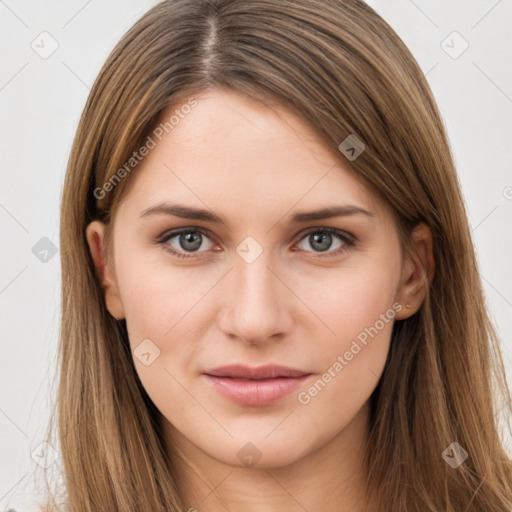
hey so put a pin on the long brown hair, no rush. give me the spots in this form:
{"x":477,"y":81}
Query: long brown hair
{"x":341,"y":67}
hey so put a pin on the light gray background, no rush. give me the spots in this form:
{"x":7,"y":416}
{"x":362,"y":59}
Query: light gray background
{"x":40,"y":103}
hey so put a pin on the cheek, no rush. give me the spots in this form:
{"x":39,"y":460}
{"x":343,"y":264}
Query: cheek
{"x":144,"y":306}
{"x":352,"y":299}
{"x":160,"y":309}
{"x":165,"y":315}
{"x":156,"y":299}
{"x":356,"y":309}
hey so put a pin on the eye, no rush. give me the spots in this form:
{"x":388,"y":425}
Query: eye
{"x":321,"y":240}
{"x":188,"y":240}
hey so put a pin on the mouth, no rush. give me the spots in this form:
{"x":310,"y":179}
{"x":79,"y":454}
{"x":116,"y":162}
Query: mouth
{"x":255,"y":386}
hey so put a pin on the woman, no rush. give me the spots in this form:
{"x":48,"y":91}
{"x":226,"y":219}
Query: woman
{"x":270,"y":293}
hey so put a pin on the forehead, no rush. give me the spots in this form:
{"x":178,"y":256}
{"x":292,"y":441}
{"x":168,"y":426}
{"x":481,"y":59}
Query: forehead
{"x":232,"y":150}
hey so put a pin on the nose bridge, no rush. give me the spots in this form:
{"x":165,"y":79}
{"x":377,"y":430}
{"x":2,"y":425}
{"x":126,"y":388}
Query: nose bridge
{"x":254,"y":305}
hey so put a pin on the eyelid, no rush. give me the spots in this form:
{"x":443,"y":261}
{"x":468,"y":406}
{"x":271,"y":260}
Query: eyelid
{"x":348,"y":237}
{"x":348,"y":240}
{"x":171,"y":233}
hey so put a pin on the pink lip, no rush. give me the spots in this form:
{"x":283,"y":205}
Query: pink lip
{"x":255,"y":386}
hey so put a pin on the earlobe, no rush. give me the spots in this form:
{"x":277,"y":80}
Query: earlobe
{"x":419,"y":268}
{"x":95,"y":234}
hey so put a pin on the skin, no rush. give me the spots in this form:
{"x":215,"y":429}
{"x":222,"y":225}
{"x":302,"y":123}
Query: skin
{"x":294,"y":305}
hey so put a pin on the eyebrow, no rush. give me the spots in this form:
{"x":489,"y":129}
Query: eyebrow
{"x":188,"y":212}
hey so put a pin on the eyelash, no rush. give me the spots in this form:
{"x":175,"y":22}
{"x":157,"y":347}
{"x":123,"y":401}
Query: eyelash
{"x":349,"y":241}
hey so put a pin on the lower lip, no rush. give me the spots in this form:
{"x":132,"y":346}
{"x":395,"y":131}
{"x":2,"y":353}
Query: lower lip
{"x":255,"y":392}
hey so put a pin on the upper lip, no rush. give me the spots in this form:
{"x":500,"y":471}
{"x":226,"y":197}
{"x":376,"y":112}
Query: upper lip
{"x":270,"y":371}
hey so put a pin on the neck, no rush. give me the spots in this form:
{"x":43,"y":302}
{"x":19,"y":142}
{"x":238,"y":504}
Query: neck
{"x":330,"y":478}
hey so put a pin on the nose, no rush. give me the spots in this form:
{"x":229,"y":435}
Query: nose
{"x":256,"y":304}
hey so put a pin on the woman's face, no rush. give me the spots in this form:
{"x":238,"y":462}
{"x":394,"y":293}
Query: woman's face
{"x":267,"y":285}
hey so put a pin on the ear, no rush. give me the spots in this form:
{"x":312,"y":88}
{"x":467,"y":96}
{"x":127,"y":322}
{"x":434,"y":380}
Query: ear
{"x":95,"y":234}
{"x":417,"y":272}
